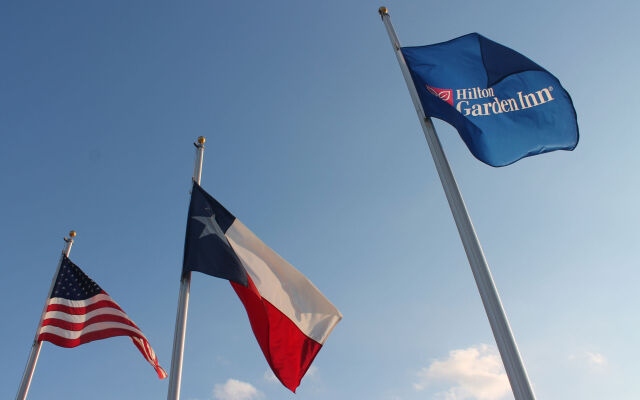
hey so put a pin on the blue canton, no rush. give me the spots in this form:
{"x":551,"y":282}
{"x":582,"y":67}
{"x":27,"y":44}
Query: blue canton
{"x":73,"y":284}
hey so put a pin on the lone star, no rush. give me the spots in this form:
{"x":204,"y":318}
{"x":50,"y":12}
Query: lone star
{"x":211,"y":227}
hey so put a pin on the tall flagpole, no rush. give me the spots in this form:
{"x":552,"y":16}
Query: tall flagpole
{"x":511,"y":359}
{"x":37,"y":345}
{"x":175,"y":377}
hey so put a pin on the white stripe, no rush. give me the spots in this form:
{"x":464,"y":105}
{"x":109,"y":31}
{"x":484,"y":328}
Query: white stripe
{"x":150,"y":351}
{"x":91,"y":328}
{"x":143,"y":348}
{"x":149,"y":354}
{"x":84,"y":317}
{"x":80,"y":303}
{"x":284,"y":286}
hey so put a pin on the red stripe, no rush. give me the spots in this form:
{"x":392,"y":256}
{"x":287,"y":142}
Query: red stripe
{"x":97,"y":335}
{"x":83,"y":310}
{"x":86,"y":338}
{"x":288,"y":351}
{"x":152,"y":360}
{"x":78,"y":326}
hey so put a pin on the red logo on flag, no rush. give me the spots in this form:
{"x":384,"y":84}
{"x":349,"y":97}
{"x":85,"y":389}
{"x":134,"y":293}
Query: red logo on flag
{"x":444,"y":94}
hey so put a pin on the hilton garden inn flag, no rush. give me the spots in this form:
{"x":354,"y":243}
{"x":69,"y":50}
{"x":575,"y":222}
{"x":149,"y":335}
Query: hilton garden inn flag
{"x":289,"y":316}
{"x":504,"y":106}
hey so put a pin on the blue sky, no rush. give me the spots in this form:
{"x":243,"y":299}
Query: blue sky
{"x":312,"y":141}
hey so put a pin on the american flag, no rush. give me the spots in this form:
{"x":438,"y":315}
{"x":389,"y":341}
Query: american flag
{"x":79,"y":311}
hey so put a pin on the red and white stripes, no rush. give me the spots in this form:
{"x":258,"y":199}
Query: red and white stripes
{"x":70,"y":323}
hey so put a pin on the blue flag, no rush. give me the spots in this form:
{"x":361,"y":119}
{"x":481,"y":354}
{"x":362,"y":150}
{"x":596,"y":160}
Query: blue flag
{"x":504,"y":106}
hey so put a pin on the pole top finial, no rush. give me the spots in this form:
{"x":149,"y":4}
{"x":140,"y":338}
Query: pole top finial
{"x":72,"y":234}
{"x":383,"y":11}
{"x":201,"y":139}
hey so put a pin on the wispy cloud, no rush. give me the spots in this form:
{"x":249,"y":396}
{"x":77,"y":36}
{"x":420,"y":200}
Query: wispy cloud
{"x":473,"y":373}
{"x":312,"y":371}
{"x":233,"y":389}
{"x":270,"y":377}
{"x":594,"y":361}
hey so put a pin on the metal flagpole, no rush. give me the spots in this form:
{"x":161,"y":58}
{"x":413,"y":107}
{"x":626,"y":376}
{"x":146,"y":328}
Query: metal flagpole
{"x":37,"y":345}
{"x":511,"y":359}
{"x":175,"y":376}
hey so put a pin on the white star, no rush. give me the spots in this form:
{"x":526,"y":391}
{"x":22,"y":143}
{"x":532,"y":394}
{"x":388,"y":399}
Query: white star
{"x":211,"y":227}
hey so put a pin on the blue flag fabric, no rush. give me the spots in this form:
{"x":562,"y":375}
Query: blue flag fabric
{"x":206,"y":248}
{"x":504,"y":106}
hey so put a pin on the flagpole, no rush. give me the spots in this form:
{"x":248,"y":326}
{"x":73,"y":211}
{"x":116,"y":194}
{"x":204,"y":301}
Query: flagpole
{"x":37,"y":345}
{"x":511,"y":358}
{"x":175,"y":377}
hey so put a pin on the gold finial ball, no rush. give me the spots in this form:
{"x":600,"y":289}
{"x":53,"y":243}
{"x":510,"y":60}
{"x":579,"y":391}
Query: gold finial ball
{"x":383,"y":10}
{"x":201,"y":139}
{"x":72,"y":234}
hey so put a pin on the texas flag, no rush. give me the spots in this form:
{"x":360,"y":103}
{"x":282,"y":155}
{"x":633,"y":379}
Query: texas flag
{"x":289,"y":316}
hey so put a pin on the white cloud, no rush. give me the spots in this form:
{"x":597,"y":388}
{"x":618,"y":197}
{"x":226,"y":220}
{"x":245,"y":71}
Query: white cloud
{"x":595,"y":361}
{"x":473,"y":373}
{"x":270,"y":377}
{"x":235,"y":390}
{"x":222,"y":360}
